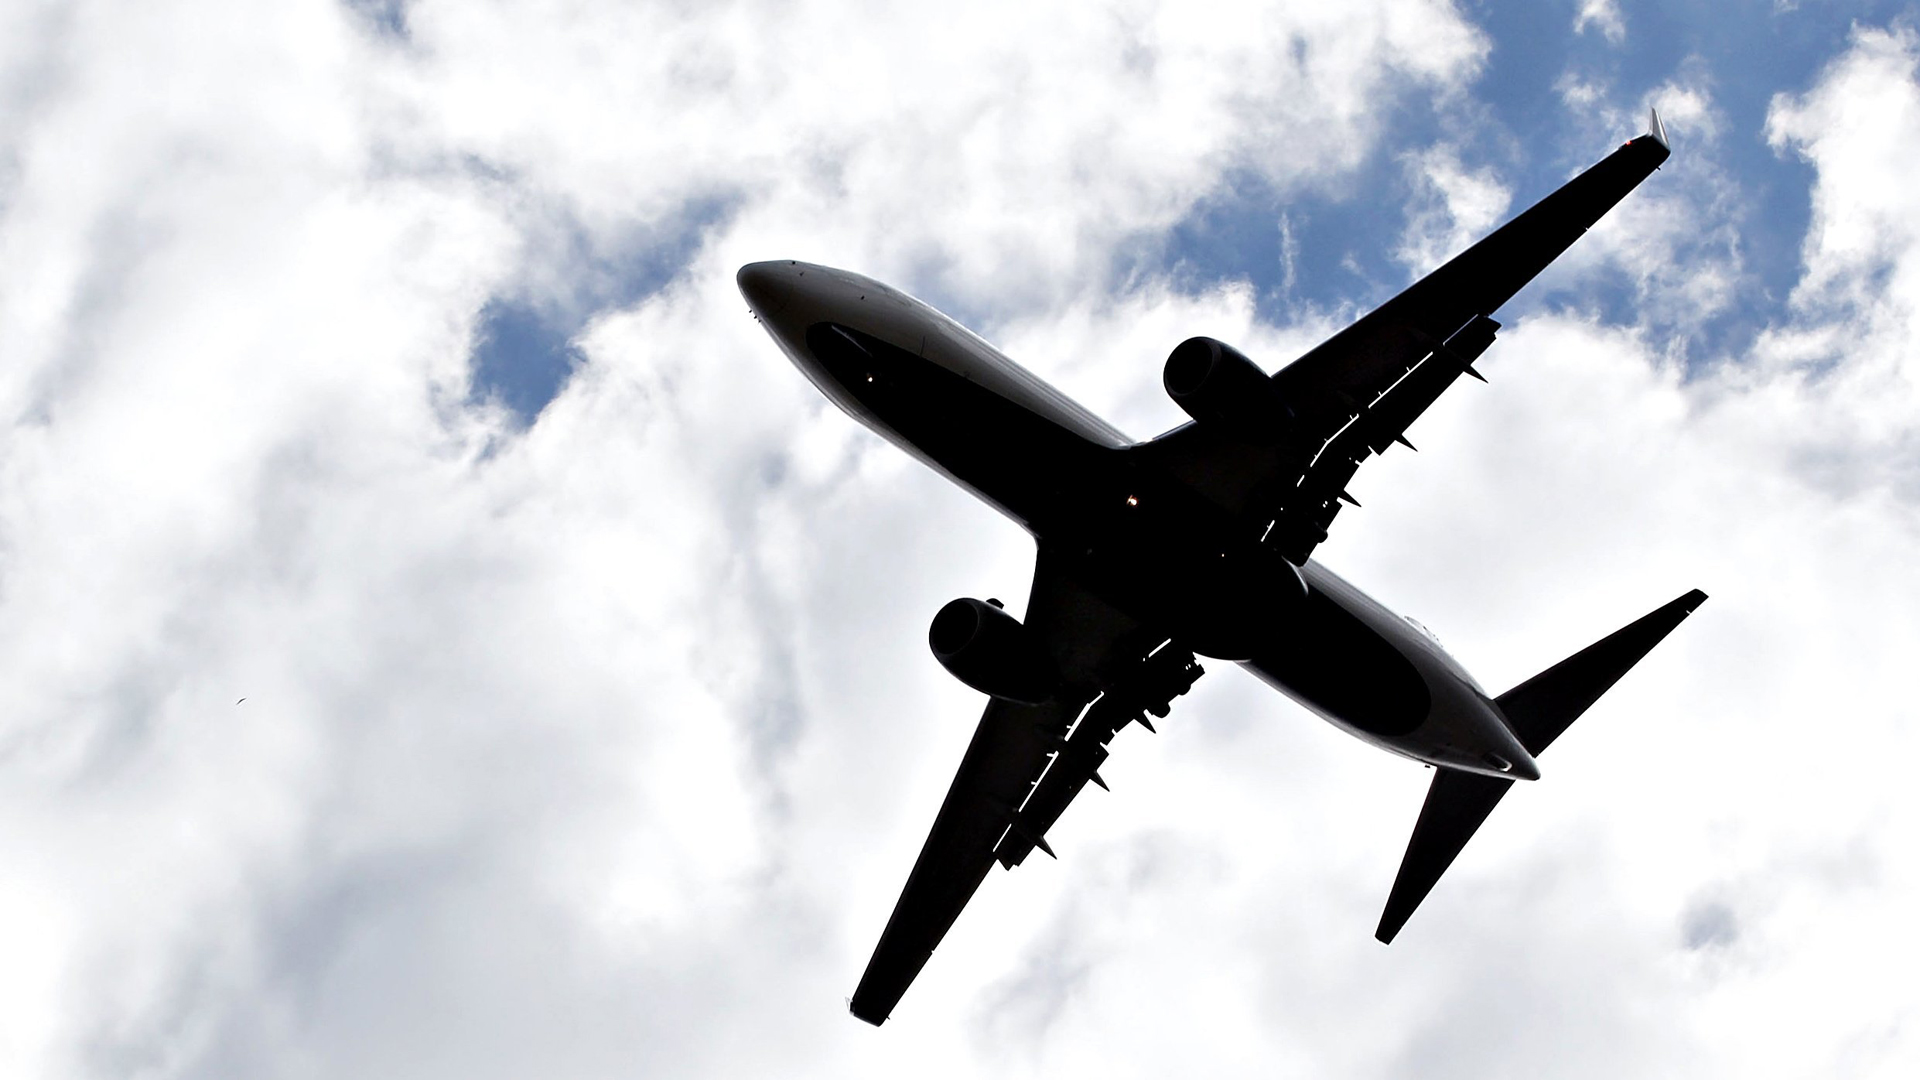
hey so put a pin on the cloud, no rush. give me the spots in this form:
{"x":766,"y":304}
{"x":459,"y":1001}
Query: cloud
{"x":564,"y":748}
{"x":1858,"y":300}
{"x":952,"y":164}
{"x":1452,"y":207}
{"x":601,"y":744}
{"x":1674,"y":251}
{"x":1601,"y":15}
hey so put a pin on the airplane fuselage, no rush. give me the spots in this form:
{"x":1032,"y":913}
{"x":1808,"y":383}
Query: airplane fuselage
{"x":1140,"y":538}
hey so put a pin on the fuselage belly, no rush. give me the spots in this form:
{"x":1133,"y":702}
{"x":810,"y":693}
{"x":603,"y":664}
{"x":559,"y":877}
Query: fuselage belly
{"x":1143,"y":540}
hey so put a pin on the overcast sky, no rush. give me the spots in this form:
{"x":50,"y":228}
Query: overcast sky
{"x":380,"y":363}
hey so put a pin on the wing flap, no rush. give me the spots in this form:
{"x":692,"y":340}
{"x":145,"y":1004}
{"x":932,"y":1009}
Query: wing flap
{"x":1307,"y":515}
{"x":1152,"y":687}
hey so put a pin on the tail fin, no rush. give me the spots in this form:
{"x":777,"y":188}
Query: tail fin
{"x":1537,"y":710}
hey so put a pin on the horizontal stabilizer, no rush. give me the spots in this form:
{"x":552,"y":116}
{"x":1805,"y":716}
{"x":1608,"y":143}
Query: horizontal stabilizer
{"x":1456,"y":805}
{"x":1538,"y":710}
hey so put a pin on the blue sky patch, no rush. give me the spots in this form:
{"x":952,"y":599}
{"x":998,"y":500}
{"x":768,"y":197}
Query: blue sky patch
{"x":523,"y":357}
{"x":524,"y":352}
{"x":388,"y":17}
{"x":1335,"y":247}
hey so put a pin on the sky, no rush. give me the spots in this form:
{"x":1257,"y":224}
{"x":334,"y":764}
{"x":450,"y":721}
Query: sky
{"x":380,"y":363}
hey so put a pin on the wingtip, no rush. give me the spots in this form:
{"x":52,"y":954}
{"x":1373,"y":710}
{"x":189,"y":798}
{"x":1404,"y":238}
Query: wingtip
{"x":1657,"y":130}
{"x":1394,"y":917}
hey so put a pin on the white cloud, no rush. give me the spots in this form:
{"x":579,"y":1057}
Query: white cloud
{"x":566,"y":752}
{"x":603,"y":748}
{"x":1859,"y":296}
{"x":1601,"y":15}
{"x":1001,"y":154}
{"x":1452,"y":207}
{"x":1677,"y":242}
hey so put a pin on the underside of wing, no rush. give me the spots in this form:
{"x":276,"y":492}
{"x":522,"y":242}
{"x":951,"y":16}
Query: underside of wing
{"x":1334,"y":380}
{"x":990,"y":813}
{"x":1008,"y":752}
{"x":1355,"y":394}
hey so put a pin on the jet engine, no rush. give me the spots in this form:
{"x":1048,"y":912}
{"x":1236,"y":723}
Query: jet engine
{"x":991,"y":651}
{"x":1221,"y":389}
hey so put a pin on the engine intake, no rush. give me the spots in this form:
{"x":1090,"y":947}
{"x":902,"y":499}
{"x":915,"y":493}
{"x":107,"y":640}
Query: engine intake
{"x":991,"y":651}
{"x":1220,"y":388}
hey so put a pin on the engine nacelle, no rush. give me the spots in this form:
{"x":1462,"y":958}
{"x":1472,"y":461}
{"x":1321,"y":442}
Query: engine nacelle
{"x":1220,"y":388}
{"x":991,"y":651}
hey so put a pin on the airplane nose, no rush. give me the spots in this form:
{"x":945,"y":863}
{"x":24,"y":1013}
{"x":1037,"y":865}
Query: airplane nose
{"x":1520,"y":767}
{"x":766,"y":285}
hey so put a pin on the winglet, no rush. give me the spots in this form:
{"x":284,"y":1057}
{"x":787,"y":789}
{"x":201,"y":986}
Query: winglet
{"x":1657,"y":129}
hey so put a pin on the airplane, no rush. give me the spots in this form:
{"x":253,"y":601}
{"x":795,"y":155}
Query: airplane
{"x":1196,"y":543}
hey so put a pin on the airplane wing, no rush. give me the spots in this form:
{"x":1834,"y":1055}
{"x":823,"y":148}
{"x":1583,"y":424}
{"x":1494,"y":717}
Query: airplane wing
{"x":1355,"y":394}
{"x":989,"y":814}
